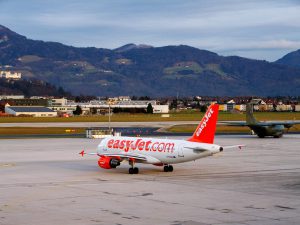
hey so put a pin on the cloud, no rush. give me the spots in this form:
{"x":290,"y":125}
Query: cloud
{"x":228,"y":25}
{"x":272,"y":44}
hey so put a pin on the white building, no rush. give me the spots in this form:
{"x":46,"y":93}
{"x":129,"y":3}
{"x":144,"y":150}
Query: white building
{"x":105,"y":105}
{"x":11,"y":97}
{"x":160,"y":108}
{"x":283,"y":107}
{"x":35,"y":111}
{"x":10,"y":75}
{"x":59,"y":102}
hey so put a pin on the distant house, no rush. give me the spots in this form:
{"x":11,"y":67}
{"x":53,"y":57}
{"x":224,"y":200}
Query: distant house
{"x":240,"y":107}
{"x":36,"y":111}
{"x":160,"y":108}
{"x":10,"y":75}
{"x":11,"y":97}
{"x":223,"y":107}
{"x":283,"y":107}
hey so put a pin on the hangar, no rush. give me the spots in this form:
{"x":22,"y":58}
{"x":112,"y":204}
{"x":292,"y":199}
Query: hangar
{"x":36,"y":111}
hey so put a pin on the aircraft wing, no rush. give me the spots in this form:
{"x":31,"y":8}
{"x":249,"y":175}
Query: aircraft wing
{"x":129,"y":156}
{"x":286,"y":124}
{"x":233,"y":123}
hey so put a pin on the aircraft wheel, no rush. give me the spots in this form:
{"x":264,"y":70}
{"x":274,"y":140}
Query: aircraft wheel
{"x":131,"y":170}
{"x":135,"y":170}
{"x":166,"y":168}
{"x":261,"y":136}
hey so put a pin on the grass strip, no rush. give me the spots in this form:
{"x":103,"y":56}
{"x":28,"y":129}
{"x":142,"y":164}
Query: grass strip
{"x":188,"y":128}
{"x":181,"y":116}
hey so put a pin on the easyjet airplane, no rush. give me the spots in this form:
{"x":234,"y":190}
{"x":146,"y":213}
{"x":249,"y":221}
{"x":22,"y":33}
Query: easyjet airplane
{"x":161,"y":152}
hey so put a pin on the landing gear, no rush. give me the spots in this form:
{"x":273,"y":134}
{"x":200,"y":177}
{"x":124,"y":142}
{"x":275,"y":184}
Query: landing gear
{"x":133,"y":170}
{"x":168,"y":168}
{"x":277,"y":136}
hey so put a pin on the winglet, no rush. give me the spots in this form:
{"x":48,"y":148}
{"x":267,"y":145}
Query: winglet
{"x":82,"y":153}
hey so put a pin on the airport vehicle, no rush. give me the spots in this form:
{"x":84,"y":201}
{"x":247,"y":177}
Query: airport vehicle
{"x":161,"y":152}
{"x":263,"y":129}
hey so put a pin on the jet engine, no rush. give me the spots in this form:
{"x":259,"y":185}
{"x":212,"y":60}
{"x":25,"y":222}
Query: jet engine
{"x":108,"y":162}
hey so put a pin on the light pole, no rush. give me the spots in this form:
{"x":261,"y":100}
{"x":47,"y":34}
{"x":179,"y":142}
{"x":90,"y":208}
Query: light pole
{"x":109,"y":117}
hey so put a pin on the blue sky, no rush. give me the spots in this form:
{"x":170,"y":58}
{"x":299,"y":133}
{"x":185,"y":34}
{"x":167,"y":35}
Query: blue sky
{"x":259,"y":29}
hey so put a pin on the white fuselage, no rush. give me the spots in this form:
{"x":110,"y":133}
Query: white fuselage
{"x":165,"y":151}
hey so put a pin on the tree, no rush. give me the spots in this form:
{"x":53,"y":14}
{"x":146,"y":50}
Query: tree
{"x":203,"y":108}
{"x":149,"y":109}
{"x":78,"y":110}
{"x":174,"y":104}
{"x":145,"y":98}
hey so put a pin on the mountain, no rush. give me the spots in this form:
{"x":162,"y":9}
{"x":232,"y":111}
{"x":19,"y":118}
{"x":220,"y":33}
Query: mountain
{"x":30,"y":88}
{"x":145,"y":70}
{"x":131,"y":46}
{"x":291,"y":59}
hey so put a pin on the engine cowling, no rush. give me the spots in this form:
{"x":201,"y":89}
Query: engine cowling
{"x":108,"y":162}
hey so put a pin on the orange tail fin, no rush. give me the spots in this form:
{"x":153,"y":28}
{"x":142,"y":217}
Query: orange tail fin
{"x":206,"y":129}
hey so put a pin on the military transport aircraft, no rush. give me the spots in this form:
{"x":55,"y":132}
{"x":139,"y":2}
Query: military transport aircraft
{"x":161,"y":152}
{"x":262,"y":129}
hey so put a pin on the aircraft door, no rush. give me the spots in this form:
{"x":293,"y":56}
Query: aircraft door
{"x":180,"y":151}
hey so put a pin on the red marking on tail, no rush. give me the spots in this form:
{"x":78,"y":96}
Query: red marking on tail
{"x":82,"y":153}
{"x":206,"y":129}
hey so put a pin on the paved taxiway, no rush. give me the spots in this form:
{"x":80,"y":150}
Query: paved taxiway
{"x":112,"y":124}
{"x":44,"y":181}
{"x":101,"y":124}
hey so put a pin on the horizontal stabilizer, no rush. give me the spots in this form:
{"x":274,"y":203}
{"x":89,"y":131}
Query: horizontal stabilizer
{"x":82,"y":153}
{"x":233,"y":146}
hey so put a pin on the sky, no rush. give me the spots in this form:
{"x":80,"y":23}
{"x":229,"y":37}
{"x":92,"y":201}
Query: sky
{"x":257,"y":29}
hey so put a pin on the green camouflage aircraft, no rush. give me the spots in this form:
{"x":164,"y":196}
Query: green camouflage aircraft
{"x":263,"y":129}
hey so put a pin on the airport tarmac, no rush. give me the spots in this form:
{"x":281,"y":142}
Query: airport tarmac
{"x":45,"y":181}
